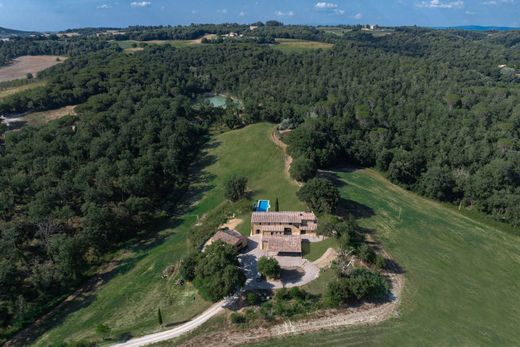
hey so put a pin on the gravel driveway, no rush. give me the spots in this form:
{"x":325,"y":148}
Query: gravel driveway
{"x":296,"y":271}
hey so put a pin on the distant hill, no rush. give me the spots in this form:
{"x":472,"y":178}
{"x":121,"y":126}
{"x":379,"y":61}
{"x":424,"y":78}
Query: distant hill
{"x":5,"y":33}
{"x":480,"y":28}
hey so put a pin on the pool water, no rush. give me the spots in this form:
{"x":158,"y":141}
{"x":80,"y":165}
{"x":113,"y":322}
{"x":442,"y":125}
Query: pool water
{"x":217,"y":101}
{"x":263,"y":206}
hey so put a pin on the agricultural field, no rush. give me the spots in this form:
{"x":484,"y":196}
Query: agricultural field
{"x":133,"y":45}
{"x":21,"y":66}
{"x":40,"y":118}
{"x":461,"y":273}
{"x":128,"y":302}
{"x":294,"y":45}
{"x":5,"y":92}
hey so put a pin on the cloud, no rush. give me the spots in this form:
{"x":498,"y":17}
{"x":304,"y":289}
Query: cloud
{"x":242,"y":14}
{"x":104,"y":6}
{"x":358,"y":16}
{"x":339,"y":11}
{"x":141,"y":4}
{"x":471,"y":13}
{"x":284,"y":14}
{"x":441,"y":4}
{"x":325,"y":5}
{"x":223,"y":11}
{"x":497,"y":2}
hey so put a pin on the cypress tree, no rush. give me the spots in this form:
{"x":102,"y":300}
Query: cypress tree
{"x":159,"y":316}
{"x":276,"y":205}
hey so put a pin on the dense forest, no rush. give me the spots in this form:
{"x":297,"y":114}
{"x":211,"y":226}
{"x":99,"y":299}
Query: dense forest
{"x":437,"y":111}
{"x":52,"y":45}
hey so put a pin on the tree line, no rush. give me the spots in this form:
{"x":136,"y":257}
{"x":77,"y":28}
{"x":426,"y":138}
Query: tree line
{"x":431,"y":109}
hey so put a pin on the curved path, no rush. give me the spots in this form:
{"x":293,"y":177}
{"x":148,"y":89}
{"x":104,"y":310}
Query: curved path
{"x":177,"y":331}
{"x":288,"y":159}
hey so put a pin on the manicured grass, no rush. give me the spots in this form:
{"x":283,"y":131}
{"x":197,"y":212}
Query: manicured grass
{"x":462,"y":274}
{"x":314,"y":250}
{"x":128,"y":303}
{"x":293,"y":45}
{"x":319,"y":285}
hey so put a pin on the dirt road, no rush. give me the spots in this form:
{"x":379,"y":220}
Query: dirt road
{"x":288,"y":158}
{"x":177,"y":331}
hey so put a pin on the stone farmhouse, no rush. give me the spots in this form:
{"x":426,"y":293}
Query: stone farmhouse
{"x":280,"y":232}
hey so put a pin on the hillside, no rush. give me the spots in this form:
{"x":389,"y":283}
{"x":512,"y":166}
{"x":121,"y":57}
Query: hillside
{"x":124,"y":303}
{"x":461,"y":273}
{"x":6,"y":33}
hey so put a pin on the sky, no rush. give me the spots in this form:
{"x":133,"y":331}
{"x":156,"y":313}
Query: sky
{"x":55,"y":15}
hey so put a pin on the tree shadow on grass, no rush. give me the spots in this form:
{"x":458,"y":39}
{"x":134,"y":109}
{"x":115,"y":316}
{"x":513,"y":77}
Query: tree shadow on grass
{"x":80,"y":299}
{"x":353,"y":208}
{"x":138,"y":246}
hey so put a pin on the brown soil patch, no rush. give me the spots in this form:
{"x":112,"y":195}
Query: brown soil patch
{"x":21,"y":66}
{"x":232,"y":223}
{"x":326,"y":259}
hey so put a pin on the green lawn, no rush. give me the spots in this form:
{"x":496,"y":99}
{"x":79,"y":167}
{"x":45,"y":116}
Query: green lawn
{"x":319,"y":285}
{"x":313,"y":251}
{"x":128,"y":302}
{"x":462,"y":275}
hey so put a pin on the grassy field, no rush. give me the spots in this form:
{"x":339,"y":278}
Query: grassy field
{"x":462,"y":274}
{"x":313,"y":251}
{"x":128,"y":45}
{"x":21,"y":66}
{"x":128,"y":302}
{"x":293,"y":45}
{"x":40,"y":118}
{"x":13,"y":90}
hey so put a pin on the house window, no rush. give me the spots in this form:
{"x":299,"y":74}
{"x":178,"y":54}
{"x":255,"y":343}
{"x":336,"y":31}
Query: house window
{"x":258,"y":231}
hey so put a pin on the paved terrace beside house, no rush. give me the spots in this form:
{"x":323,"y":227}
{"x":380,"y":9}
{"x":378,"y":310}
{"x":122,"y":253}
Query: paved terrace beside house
{"x":296,"y":271}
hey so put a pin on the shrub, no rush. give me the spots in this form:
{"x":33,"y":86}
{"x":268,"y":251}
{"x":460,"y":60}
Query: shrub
{"x":237,"y":318}
{"x":103,"y":330}
{"x":364,"y":284}
{"x":187,"y":268}
{"x":252,"y":298}
{"x":360,"y":284}
{"x":320,"y":195}
{"x":235,"y":188}
{"x":303,"y":169}
{"x":379,"y":262}
{"x":217,"y":273}
{"x":269,"y":267}
{"x":366,"y":254}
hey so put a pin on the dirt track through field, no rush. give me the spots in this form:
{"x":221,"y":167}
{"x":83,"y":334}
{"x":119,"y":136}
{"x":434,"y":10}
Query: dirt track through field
{"x":288,"y":159}
{"x":366,"y":314}
{"x":21,"y":66}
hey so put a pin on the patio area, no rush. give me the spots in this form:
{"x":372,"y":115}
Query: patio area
{"x":296,"y":271}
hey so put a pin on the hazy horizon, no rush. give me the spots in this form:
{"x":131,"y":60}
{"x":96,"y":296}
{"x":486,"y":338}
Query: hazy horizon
{"x":56,"y":15}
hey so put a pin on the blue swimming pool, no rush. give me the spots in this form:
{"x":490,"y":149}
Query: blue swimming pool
{"x":263,"y":206}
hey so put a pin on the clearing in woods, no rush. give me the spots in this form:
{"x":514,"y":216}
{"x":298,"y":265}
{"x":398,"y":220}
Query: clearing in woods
{"x":33,"y":64}
{"x":40,"y":118}
{"x":461,"y":273}
{"x":128,"y":45}
{"x":5,"y":92}
{"x":294,"y":45}
{"x":128,"y":301}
